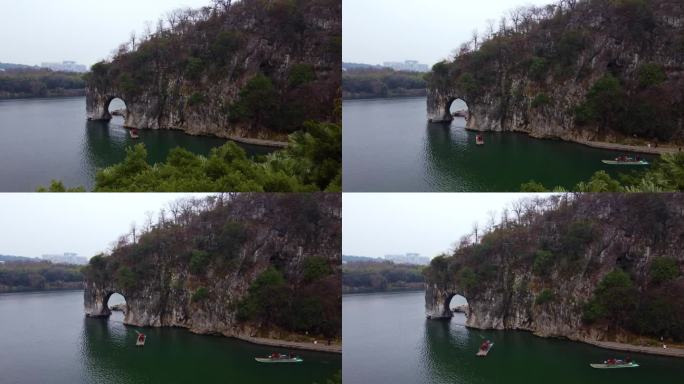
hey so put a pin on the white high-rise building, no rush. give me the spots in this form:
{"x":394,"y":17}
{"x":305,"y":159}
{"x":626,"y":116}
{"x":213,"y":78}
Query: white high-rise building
{"x":65,"y":66}
{"x":409,"y":258}
{"x":66,"y":258}
{"x":408,"y":65}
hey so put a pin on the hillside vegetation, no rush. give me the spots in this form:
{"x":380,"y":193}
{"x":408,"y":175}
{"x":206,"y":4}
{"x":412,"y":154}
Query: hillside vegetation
{"x":231,"y":264}
{"x":607,"y":70}
{"x":589,"y":266}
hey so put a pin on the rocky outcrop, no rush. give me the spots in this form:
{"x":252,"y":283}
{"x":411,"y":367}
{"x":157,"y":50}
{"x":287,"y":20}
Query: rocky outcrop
{"x":161,"y":289}
{"x":506,"y":287}
{"x":517,"y":81}
{"x":190,"y":77}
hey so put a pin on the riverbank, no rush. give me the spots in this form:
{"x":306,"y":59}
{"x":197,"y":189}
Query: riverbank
{"x":669,"y":351}
{"x":318,"y":347}
{"x":645,"y":149}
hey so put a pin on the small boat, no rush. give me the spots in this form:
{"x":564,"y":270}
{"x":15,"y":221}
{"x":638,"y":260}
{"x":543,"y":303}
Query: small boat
{"x":140,"y":342}
{"x":613,"y":363}
{"x":134,"y":133}
{"x":479,"y":140}
{"x":625,"y":160}
{"x":485,"y":348}
{"x":278,"y":358}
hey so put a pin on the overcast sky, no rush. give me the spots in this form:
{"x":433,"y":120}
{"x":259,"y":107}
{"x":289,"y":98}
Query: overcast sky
{"x":377,"y":224}
{"x":375,"y":31}
{"x":33,"y":224}
{"x":85,"y":31}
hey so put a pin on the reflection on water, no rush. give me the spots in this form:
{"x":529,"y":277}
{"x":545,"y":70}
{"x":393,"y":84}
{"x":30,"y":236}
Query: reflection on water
{"x":45,"y":139}
{"x":389,"y":146}
{"x":45,"y":338}
{"x":388,"y":340}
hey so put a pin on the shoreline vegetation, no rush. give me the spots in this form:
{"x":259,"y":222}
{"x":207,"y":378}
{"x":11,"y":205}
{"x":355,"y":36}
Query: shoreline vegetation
{"x":311,"y":162}
{"x":33,"y":82}
{"x":376,"y":275}
{"x":335,"y":347}
{"x":39,"y":276}
{"x":378,"y":83}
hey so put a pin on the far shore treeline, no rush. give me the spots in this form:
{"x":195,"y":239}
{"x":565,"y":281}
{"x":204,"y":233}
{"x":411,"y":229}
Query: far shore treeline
{"x":365,"y":275}
{"x":377,"y":82}
{"x":34,"y":82}
{"x":24,"y":276}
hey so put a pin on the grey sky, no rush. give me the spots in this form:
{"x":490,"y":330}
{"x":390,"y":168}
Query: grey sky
{"x":33,"y":224}
{"x":86,"y":31}
{"x":425,"y":30}
{"x":376,"y":224}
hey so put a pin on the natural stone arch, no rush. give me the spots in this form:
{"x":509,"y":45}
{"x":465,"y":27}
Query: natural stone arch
{"x":437,"y":300}
{"x":439,"y":103}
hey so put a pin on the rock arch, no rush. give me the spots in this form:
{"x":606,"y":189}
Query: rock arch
{"x":438,"y":103}
{"x":437,"y":299}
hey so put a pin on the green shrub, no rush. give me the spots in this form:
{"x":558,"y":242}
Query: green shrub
{"x":301,"y":74}
{"x":651,"y":75}
{"x":315,"y":268}
{"x":615,"y":298}
{"x":541,"y":100}
{"x":225,"y":44}
{"x":195,"y":99}
{"x":543,"y":260}
{"x":200,"y":295}
{"x":663,"y":269}
{"x":199,"y":260}
{"x":194,"y":68}
{"x":467,"y":278}
{"x":538,"y":68}
{"x":125,"y":278}
{"x":544,"y":297}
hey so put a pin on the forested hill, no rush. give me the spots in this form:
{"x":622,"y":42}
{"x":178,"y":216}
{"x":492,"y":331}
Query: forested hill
{"x":587,"y":267}
{"x":243,"y":69}
{"x":264,"y":265}
{"x":606,"y":70}
{"x":19,"y":81}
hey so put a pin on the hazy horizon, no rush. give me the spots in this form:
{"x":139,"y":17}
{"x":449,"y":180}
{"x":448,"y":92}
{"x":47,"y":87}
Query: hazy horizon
{"x":79,"y":30}
{"x":378,"y":224}
{"x":428,"y":31}
{"x":34,"y":224}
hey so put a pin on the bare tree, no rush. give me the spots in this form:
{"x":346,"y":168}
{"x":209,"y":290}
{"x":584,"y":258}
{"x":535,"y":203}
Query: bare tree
{"x":132,"y":41}
{"x":474,"y":40}
{"x":133,"y":234}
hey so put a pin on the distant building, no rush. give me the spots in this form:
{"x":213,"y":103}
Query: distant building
{"x":65,"y":66}
{"x":408,"y":65}
{"x":409,"y":258}
{"x":66,"y":258}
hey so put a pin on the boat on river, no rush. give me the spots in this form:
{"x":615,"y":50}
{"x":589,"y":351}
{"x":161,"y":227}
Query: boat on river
{"x":625,"y":160}
{"x":278,"y":358}
{"x":485,"y":348}
{"x":140,"y":341}
{"x":479,"y":140}
{"x":134,"y":133}
{"x":612,"y":364}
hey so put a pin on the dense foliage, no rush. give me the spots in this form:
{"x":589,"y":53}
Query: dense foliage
{"x":381,"y":276}
{"x":282,"y":59}
{"x":209,"y":241}
{"x":665,"y":175}
{"x":310,"y":306}
{"x":24,"y":83}
{"x":38,"y":276}
{"x":623,"y":57}
{"x":311,"y":162}
{"x":367,"y":83}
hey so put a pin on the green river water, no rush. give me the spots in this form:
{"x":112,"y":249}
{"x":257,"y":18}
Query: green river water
{"x":45,"y":338}
{"x":387,"y":339}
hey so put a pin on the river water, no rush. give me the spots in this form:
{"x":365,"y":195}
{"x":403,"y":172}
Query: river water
{"x":390,"y":147}
{"x":45,"y":139}
{"x":45,"y":338}
{"x":388,"y":340}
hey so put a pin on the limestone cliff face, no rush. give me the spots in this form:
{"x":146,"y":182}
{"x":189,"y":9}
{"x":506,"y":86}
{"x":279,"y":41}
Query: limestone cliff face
{"x":587,"y":238}
{"x":190,"y":76}
{"x":532,"y":77}
{"x":160,"y":286}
